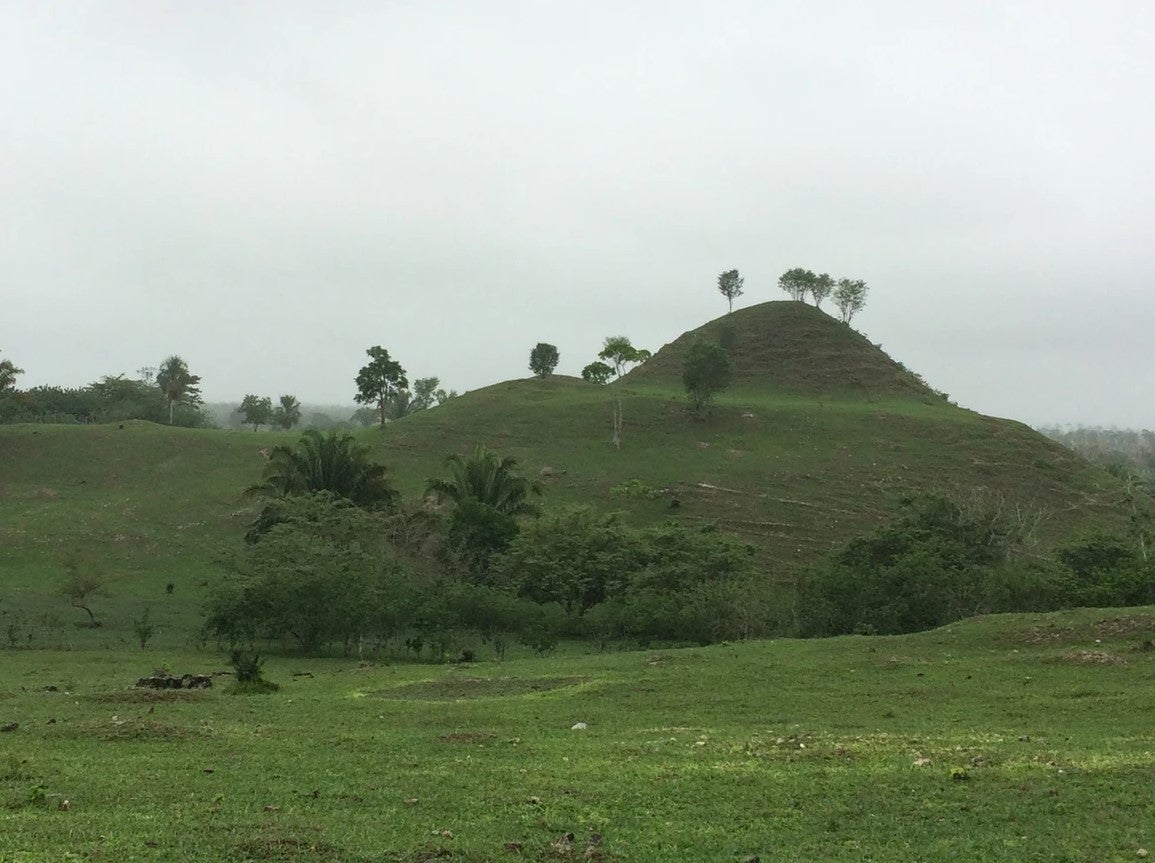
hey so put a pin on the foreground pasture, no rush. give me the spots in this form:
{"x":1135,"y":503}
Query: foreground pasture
{"x":1008,"y":738}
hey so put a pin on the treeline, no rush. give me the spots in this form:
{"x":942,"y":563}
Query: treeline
{"x":1119,"y":450}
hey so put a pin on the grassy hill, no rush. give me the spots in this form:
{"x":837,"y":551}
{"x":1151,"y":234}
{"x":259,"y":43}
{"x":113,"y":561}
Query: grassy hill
{"x":789,"y":347}
{"x":820,"y":439}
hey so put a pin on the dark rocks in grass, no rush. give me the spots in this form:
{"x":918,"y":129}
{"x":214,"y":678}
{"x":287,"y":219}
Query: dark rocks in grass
{"x":9,"y":726}
{"x":186,"y":681}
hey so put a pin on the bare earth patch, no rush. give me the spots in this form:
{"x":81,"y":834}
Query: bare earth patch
{"x":1092,"y":657}
{"x":457,"y":688}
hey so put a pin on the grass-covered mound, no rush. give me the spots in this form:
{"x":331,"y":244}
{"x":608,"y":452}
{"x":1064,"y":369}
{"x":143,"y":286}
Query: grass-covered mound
{"x":789,"y":347}
{"x":1005,"y":738}
{"x":818,"y":443}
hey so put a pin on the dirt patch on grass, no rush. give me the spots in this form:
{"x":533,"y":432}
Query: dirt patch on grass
{"x":277,"y":847}
{"x":474,"y":738}
{"x":458,"y":688}
{"x":1091,"y":657}
{"x":1118,"y":627}
{"x":126,"y":729}
{"x":147,"y":696}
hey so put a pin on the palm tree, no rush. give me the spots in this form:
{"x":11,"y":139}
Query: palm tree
{"x":288,"y":413}
{"x":177,"y":383}
{"x":489,"y":480}
{"x":335,"y":463}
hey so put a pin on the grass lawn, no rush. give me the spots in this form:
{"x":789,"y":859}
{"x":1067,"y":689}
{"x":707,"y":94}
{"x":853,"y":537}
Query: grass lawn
{"x":1005,"y":738}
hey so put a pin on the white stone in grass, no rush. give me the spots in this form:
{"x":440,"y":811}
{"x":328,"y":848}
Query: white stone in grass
{"x":578,"y":726}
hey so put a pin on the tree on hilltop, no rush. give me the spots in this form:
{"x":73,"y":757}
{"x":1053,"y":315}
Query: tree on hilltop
{"x":850,"y":298}
{"x":797,"y":283}
{"x":543,"y":359}
{"x":379,"y":381}
{"x":597,"y":372}
{"x":821,"y":288}
{"x":619,"y":351}
{"x":730,"y":286}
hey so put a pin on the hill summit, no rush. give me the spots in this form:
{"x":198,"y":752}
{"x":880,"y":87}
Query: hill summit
{"x":790,"y":347}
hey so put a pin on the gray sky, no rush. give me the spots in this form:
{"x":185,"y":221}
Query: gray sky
{"x":269,"y":188}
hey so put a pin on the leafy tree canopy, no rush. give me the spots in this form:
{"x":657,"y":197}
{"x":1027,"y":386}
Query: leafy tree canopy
{"x":543,"y":359}
{"x":256,"y":410}
{"x":597,"y":372}
{"x":797,"y":283}
{"x":707,"y":371}
{"x":621,"y":353}
{"x":379,"y":381}
{"x":850,"y":298}
{"x":730,"y":286}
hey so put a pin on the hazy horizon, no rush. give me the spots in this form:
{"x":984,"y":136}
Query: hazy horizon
{"x":269,"y":189}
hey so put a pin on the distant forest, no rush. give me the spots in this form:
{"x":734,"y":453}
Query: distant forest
{"x":1122,"y":451}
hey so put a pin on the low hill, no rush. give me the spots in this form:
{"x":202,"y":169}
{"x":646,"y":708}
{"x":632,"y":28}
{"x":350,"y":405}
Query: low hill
{"x":790,"y":460}
{"x":790,"y":347}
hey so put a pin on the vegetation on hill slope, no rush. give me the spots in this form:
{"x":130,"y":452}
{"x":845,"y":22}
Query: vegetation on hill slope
{"x":797,"y":475}
{"x":792,"y":348}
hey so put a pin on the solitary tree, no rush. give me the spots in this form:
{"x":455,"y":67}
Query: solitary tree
{"x":84,"y":581}
{"x":597,"y":372}
{"x":850,"y":297}
{"x":620,"y":352}
{"x":821,"y":288}
{"x":256,"y":411}
{"x":8,"y":373}
{"x":288,"y":413}
{"x":380,"y":381}
{"x":177,"y":383}
{"x":707,"y":371}
{"x":730,"y":286}
{"x":797,"y":283}
{"x":543,"y":359}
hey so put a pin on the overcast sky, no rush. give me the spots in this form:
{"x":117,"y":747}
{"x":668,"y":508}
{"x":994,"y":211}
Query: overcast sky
{"x":269,"y":188}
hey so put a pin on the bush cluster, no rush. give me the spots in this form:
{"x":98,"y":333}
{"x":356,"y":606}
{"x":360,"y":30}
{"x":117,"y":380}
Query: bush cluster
{"x":941,"y":561}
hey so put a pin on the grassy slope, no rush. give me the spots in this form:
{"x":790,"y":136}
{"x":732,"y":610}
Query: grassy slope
{"x":793,"y":751}
{"x":784,"y":460}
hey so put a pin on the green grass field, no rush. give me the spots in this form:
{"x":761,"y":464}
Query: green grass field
{"x":1007,"y":738}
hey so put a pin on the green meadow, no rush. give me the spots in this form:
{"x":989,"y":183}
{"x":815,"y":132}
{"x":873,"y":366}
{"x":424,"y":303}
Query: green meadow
{"x":1004,"y":738}
{"x":1009,"y":737}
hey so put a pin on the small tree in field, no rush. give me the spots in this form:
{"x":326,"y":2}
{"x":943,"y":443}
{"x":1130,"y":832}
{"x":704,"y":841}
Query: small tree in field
{"x":256,"y":411}
{"x":597,"y":373}
{"x":706,"y":372}
{"x":797,"y":283}
{"x":730,"y":286}
{"x":543,"y":359}
{"x":84,"y":580}
{"x":821,"y":288}
{"x":850,"y":297}
{"x":379,"y":382}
